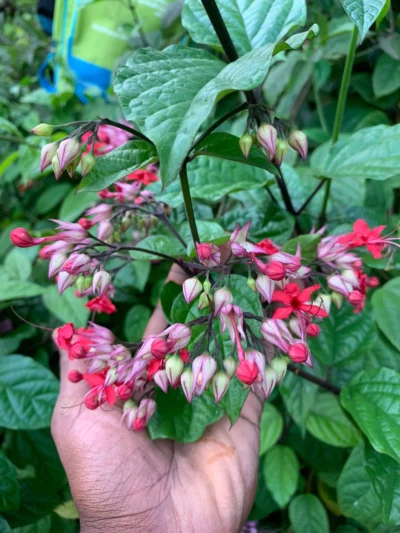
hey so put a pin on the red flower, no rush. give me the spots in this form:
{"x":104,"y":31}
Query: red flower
{"x":154,"y":366}
{"x":363,"y":235}
{"x":144,"y":176}
{"x":64,"y":336}
{"x":268,"y":246}
{"x":296,"y":300}
{"x":101,"y":304}
{"x":96,"y":381}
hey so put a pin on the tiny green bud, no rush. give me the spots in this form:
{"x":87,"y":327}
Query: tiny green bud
{"x":245,"y":143}
{"x":43,"y":130}
{"x":251,"y":283}
{"x":87,"y":163}
{"x":207,"y":286}
{"x":281,"y":149}
{"x":204,"y":301}
{"x":230,"y":366}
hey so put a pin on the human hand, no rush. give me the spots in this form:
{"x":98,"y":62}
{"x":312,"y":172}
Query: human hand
{"x":124,"y":482}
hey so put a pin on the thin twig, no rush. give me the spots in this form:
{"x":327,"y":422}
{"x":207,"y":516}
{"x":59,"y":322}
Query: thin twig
{"x":314,"y":379}
{"x":138,"y":23}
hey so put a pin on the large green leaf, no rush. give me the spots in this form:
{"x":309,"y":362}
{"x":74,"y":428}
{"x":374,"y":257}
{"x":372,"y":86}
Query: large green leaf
{"x":271,"y":426}
{"x":51,"y":197}
{"x":307,"y":514}
{"x":281,"y":473}
{"x":251,"y":23}
{"x":75,"y":204}
{"x":159,"y":244}
{"x":363,"y":13}
{"x":118,"y":164}
{"x":327,"y":422}
{"x":356,"y":496}
{"x":177,"y":419}
{"x":343,"y":337}
{"x":135,"y":322}
{"x":170,"y":94}
{"x":9,"y":488}
{"x":28,"y":392}
{"x":66,"y":306}
{"x":373,"y":400}
{"x":18,"y":265}
{"x":210,"y":179}
{"x":386,"y":76}
{"x":298,"y":396}
{"x":371,"y":153}
{"x":234,"y":399}
{"x":11,"y":289}
{"x":385,"y":302}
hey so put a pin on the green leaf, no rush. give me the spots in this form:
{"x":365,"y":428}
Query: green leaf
{"x":281,"y":473}
{"x":250,"y":24}
{"x":75,"y":204}
{"x":51,"y":197}
{"x":10,"y":342}
{"x":28,"y":392}
{"x":9,"y":488}
{"x":11,"y":289}
{"x":327,"y":422}
{"x":386,"y":76}
{"x":363,"y":13}
{"x":117,"y":164}
{"x":4,"y":526}
{"x":308,"y":246}
{"x":299,"y":396}
{"x":373,"y":400}
{"x":67,"y":510}
{"x":142,"y":272}
{"x":41,"y":526}
{"x":210,"y":179}
{"x":135,"y":322}
{"x":7,"y":126}
{"x":391,"y":43}
{"x":234,"y":399}
{"x":226,"y":146}
{"x":271,"y":426}
{"x":356,"y":496}
{"x":343,"y":337}
{"x":18,"y":265}
{"x":169,"y":293}
{"x":307,"y":514}
{"x":371,"y":153}
{"x":154,"y":243}
{"x":177,"y":419}
{"x":66,"y":306}
{"x":385,"y":302}
{"x":170,"y":94}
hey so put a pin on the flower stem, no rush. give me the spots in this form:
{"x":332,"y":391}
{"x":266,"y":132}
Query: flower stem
{"x":320,"y":109}
{"x":126,"y":128}
{"x":314,"y":379}
{"x":344,"y":87}
{"x":187,"y":199}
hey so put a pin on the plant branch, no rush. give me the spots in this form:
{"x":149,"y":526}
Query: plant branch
{"x":314,"y":379}
{"x":317,"y":188}
{"x":286,"y":197}
{"x":187,"y":199}
{"x":138,"y":23}
{"x":320,"y":109}
{"x":344,"y":87}
{"x":126,"y":128}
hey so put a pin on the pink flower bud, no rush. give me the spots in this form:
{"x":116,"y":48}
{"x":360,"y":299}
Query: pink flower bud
{"x":161,"y":379}
{"x":56,"y":264}
{"x":373,"y":282}
{"x":78,"y":264}
{"x":111,"y":376}
{"x":101,"y":282}
{"x":204,"y":367}
{"x":222,"y":297}
{"x":87,"y":163}
{"x":208,"y":254}
{"x":145,"y":411}
{"x":56,"y":167}
{"x":279,"y":365}
{"x":65,"y":280}
{"x":265,"y":286}
{"x":270,"y":380}
{"x":179,"y":335}
{"x":313,"y":330}
{"x":160,"y":348}
{"x":23,"y":239}
{"x":192,"y":287}
{"x":92,"y":401}
{"x":247,"y":372}
{"x":129,"y":413}
{"x":220,"y":384}
{"x":42,"y":130}
{"x":124,"y":392}
{"x":46,"y":155}
{"x":105,"y":230}
{"x":75,"y":376}
{"x":298,"y":141}
{"x":230,"y":366}
{"x":281,"y":149}
{"x":68,"y":150}
{"x":174,"y":368}
{"x":299,"y":353}
{"x":266,"y":136}
{"x":188,"y":384}
{"x":275,"y":270}
{"x":57,"y":247}
{"x":356,"y":297}
{"x":245,"y":143}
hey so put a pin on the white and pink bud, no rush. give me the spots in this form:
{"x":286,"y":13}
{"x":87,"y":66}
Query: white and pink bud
{"x":265,"y":287}
{"x":222,"y":296}
{"x":65,"y":280}
{"x":204,"y":368}
{"x":178,"y":334}
{"x":71,"y":233}
{"x":105,"y":230}
{"x":78,"y":264}
{"x":129,"y":413}
{"x":240,"y":234}
{"x":100,"y":212}
{"x":232,"y":318}
{"x":280,"y":152}
{"x":192,"y":287}
{"x":111,"y":376}
{"x":266,"y":136}
{"x":68,"y":151}
{"x":144,"y":412}
{"x":230,"y":365}
{"x":298,"y":141}
{"x":101,"y":282}
{"x":220,"y":384}
{"x":58,"y":247}
{"x":325,"y":301}
{"x":56,"y":167}
{"x":208,"y":254}
{"x":174,"y":368}
{"x":188,"y":384}
{"x":42,"y":130}
{"x":56,"y":264}
{"x":245,"y":143}
{"x":161,"y":379}
{"x":46,"y":155}
{"x":276,"y":332}
{"x":279,"y":365}
{"x":271,"y":379}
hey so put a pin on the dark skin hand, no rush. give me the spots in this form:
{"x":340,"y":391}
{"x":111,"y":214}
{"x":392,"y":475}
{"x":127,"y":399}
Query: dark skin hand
{"x":122,"y":481}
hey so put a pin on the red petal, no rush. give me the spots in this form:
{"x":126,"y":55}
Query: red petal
{"x":374,"y":250}
{"x":110,"y":394}
{"x":360,"y":226}
{"x":305,"y":294}
{"x":376,"y":232}
{"x":283,"y":312}
{"x":93,"y":379}
{"x":282,"y":297}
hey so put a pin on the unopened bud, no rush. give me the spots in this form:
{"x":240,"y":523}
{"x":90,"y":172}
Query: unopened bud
{"x":87,"y":163}
{"x":68,"y":150}
{"x":161,"y":379}
{"x":188,"y":385}
{"x":71,"y":167}
{"x":337,"y":299}
{"x":204,"y":301}
{"x":83,"y":283}
{"x":279,"y":365}
{"x":281,"y":149}
{"x":192,"y":287}
{"x":220,"y":384}
{"x":247,"y":372}
{"x":245,"y":143}
{"x":222,"y":297}
{"x":313,"y":330}
{"x":266,"y":136}
{"x":298,"y":141}
{"x":275,"y":270}
{"x":43,"y":130}
{"x":46,"y":155}
{"x":75,"y":376}
{"x":298,"y":352}
{"x":230,"y":366}
{"x":101,"y":281}
{"x":270,"y":380}
{"x":174,"y":368}
{"x":207,"y":286}
{"x":56,"y":167}
{"x":111,"y":377}
{"x":251,"y":283}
